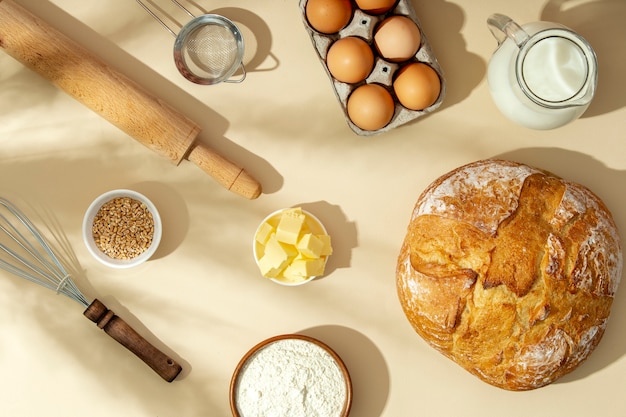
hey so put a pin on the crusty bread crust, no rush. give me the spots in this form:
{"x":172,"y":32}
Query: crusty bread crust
{"x":509,"y":271}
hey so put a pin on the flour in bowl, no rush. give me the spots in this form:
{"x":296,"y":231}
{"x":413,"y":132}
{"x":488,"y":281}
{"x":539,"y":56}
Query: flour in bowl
{"x":291,"y":377}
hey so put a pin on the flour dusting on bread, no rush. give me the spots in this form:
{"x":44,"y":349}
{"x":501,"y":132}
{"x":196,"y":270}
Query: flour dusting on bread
{"x":497,"y":185}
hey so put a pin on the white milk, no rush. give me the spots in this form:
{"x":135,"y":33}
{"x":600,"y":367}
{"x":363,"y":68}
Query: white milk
{"x":555,"y":69}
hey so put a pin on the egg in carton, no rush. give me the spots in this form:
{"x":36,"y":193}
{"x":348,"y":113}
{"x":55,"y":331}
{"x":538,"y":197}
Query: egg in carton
{"x":363,"y":25}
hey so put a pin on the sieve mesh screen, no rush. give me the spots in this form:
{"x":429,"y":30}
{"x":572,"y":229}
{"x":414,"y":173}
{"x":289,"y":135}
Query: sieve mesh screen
{"x":210,"y":51}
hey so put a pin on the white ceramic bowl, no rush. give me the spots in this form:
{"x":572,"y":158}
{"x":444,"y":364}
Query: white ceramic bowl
{"x":91,"y":213}
{"x":314,"y":224}
{"x":308,"y":356}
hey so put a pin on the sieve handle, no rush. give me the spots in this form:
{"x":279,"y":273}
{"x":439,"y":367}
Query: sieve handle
{"x":119,"y":330}
{"x":103,"y":89}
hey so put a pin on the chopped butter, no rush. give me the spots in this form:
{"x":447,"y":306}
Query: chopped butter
{"x":304,"y":268}
{"x":310,"y":246}
{"x":270,"y":268}
{"x":290,"y":225}
{"x":289,"y":249}
{"x":279,"y":249}
{"x":276,"y":257}
{"x":264,"y":232}
{"x":327,"y":249}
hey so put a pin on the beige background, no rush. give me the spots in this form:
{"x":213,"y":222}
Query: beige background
{"x":201,"y":298}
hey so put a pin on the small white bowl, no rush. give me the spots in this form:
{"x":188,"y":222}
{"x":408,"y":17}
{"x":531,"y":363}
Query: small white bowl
{"x":92,"y":247}
{"x":314,"y":224}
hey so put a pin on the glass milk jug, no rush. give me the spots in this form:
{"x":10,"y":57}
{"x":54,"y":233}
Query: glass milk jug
{"x":542,"y":75}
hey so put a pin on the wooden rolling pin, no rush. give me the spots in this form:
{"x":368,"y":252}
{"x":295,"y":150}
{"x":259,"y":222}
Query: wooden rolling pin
{"x":112,"y":95}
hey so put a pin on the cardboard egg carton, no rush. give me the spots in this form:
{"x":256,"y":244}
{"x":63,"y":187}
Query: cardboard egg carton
{"x":363,"y":25}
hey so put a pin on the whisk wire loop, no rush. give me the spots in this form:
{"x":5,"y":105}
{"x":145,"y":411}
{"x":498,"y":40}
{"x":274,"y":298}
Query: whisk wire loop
{"x":28,"y":254}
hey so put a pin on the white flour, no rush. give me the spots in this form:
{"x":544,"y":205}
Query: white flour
{"x":291,"y":378}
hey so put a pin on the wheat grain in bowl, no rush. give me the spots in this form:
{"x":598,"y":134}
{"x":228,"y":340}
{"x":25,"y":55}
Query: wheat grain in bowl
{"x":122,"y":228}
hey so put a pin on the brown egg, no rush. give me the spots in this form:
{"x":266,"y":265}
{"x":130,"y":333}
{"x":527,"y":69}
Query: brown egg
{"x":397,"y":38}
{"x":350,"y":59}
{"x":375,"y":6}
{"x":370,"y":107}
{"x":417,"y":86}
{"x":328,"y":16}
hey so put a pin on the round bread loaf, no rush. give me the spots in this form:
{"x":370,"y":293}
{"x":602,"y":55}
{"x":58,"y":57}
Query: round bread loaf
{"x":509,"y":271}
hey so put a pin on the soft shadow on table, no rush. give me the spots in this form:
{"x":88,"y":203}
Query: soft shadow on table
{"x":607,"y":183}
{"x":212,"y":124}
{"x":366,"y":365}
{"x":343,"y":233}
{"x":602,"y":24}
{"x":257,"y":36}
{"x":441,"y":22}
{"x":173,"y":212}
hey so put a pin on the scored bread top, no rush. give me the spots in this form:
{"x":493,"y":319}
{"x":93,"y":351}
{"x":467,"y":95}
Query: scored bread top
{"x":510,"y":271}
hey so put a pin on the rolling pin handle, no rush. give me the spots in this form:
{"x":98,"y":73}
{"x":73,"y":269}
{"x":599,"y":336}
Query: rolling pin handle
{"x":228,"y":174}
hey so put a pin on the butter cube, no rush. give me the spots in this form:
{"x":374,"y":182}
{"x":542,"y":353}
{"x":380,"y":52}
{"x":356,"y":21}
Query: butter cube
{"x":310,"y":246}
{"x":291,"y":275}
{"x":304,"y":268}
{"x":270,"y":267}
{"x":279,"y":250}
{"x":276,"y":257}
{"x":290,"y":225}
{"x":327,"y":248}
{"x":263,"y":233}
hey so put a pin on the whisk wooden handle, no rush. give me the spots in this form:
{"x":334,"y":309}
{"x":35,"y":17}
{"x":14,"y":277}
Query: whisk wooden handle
{"x":119,"y":330}
{"x":111,"y":94}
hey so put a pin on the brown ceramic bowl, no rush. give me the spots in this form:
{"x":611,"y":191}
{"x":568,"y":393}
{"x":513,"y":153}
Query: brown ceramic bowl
{"x":250,"y":387}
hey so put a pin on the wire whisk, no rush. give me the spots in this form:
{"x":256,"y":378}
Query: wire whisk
{"x":26,"y":253}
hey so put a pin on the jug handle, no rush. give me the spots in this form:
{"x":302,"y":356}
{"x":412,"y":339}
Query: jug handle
{"x":503,"y":27}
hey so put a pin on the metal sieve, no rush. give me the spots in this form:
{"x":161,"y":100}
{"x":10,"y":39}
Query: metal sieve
{"x":208,"y":49}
